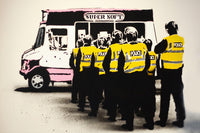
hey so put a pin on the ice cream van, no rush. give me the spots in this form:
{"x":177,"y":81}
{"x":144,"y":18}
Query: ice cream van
{"x":48,"y":59}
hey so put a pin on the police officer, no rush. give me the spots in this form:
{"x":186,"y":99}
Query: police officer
{"x":80,"y":41}
{"x":96,"y":93}
{"x":103,"y":40}
{"x":149,"y":103}
{"x":171,"y":49}
{"x":76,"y":79}
{"x":110,"y":65}
{"x":133,"y":61}
{"x":84,"y":66}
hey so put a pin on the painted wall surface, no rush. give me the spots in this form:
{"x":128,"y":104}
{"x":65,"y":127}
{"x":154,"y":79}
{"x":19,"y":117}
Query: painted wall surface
{"x":19,"y":22}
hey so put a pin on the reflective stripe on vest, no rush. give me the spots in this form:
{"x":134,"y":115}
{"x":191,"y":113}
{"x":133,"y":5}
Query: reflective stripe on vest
{"x":172,"y":57}
{"x":86,"y":55}
{"x":135,"y":55}
{"x":169,"y":51}
{"x":115,"y":51}
{"x":153,"y":58}
{"x":75,"y":52}
{"x":99,"y":58}
{"x":139,"y":68}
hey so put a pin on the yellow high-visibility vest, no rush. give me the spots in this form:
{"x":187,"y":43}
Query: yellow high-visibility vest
{"x":135,"y":55}
{"x":172,"y":57}
{"x":86,"y":55}
{"x":153,"y":58}
{"x":115,"y":51}
{"x":99,"y":58}
{"x":75,"y":52}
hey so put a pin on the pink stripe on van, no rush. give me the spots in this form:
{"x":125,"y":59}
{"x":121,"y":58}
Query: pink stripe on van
{"x":59,"y":75}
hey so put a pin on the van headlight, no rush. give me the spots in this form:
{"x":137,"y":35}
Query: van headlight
{"x":29,"y":64}
{"x":24,"y":65}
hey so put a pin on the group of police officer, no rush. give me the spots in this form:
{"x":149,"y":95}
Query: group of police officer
{"x":120,"y":72}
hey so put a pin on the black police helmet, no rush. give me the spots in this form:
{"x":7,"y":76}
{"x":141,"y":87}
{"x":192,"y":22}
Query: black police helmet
{"x":172,"y":26}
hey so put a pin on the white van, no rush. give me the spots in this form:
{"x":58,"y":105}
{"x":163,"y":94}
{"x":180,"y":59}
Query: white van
{"x":48,"y":59}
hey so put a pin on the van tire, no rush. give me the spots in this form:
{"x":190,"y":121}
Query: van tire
{"x":38,"y":80}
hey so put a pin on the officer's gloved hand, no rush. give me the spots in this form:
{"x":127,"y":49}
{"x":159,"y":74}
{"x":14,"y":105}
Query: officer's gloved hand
{"x":147,"y":42}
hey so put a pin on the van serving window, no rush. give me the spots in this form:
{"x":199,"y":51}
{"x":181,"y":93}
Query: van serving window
{"x":94,"y":29}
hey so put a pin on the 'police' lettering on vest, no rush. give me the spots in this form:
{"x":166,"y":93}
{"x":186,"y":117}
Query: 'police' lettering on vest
{"x":102,"y":54}
{"x":87,"y":56}
{"x":152,"y":57}
{"x":178,"y":45}
{"x":136,"y":53}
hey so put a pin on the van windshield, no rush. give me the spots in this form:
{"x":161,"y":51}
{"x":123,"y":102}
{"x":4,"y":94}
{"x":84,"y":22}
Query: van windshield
{"x":40,"y":38}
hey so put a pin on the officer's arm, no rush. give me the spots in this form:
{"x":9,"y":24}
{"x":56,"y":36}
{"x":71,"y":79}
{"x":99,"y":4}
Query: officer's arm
{"x":92,"y":61}
{"x":106,"y":61}
{"x":161,"y":47}
{"x":71,"y":61}
{"x":121,"y":62}
{"x":158,"y":68}
{"x":147,"y":61}
{"x":78,"y":59}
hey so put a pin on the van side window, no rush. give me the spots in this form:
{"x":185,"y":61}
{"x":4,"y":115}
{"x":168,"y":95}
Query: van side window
{"x":40,"y":38}
{"x":58,"y":39}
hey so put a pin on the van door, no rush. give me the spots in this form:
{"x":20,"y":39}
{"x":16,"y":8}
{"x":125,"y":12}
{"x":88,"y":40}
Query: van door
{"x":60,"y":43}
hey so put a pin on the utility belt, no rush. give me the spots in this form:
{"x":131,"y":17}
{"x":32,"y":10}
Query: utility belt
{"x":150,"y":73}
{"x":86,"y":69}
{"x":167,"y":72}
{"x":141,"y":74}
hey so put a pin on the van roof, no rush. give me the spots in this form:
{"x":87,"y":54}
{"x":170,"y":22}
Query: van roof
{"x":90,"y":10}
{"x":70,"y":16}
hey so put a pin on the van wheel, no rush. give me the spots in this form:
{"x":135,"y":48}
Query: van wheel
{"x":38,"y":81}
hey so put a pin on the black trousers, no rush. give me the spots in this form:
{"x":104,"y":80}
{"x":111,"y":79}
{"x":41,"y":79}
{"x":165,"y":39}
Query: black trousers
{"x":171,"y":81}
{"x":86,"y":84}
{"x":113,"y":92}
{"x":95,"y":94}
{"x":132,"y":94}
{"x":75,"y":85}
{"x":149,"y":105}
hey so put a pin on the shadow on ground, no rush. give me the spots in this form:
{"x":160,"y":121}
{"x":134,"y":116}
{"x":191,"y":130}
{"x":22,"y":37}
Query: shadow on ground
{"x":46,"y":90}
{"x":192,"y":123}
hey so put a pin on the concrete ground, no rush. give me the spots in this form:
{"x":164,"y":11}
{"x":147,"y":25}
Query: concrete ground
{"x":50,"y":111}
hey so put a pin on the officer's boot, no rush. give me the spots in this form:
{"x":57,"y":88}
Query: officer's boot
{"x":93,"y":109}
{"x":161,"y":123}
{"x":149,"y":123}
{"x":81,"y":105}
{"x":113,"y":114}
{"x":128,"y":125}
{"x":179,"y":124}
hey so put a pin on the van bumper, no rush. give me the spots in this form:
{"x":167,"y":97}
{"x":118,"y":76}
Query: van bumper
{"x":23,"y":74}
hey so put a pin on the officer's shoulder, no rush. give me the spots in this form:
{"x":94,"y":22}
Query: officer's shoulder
{"x":165,"y":38}
{"x":141,"y":44}
{"x":82,"y":47}
{"x":152,"y":52}
{"x":112,"y":45}
{"x":76,"y":49}
{"x":181,"y":36}
{"x":107,"y":48}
